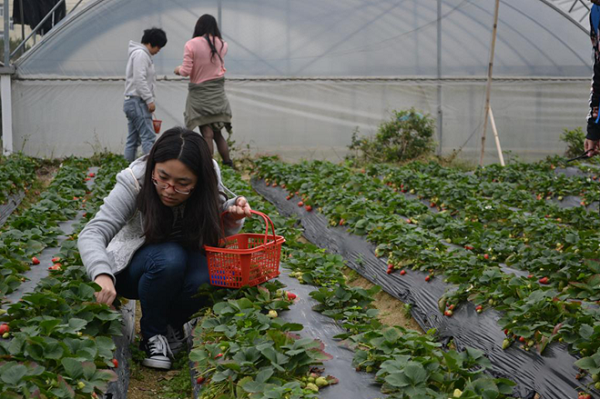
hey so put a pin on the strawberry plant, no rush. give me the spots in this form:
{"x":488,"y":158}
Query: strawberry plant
{"x":60,"y":339}
{"x":489,"y":234}
{"x":352,"y":309}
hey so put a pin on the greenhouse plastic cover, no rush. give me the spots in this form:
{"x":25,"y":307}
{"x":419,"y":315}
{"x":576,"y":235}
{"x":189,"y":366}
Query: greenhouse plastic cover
{"x":303,"y":76}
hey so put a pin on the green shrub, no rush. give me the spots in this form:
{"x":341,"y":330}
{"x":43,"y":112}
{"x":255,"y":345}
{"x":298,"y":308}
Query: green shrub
{"x":574,"y":139}
{"x":408,"y":135}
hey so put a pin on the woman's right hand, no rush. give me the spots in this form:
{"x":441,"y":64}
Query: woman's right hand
{"x":108,"y":293}
{"x":177,"y":70}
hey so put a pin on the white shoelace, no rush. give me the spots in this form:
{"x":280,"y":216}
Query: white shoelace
{"x":159,"y":345}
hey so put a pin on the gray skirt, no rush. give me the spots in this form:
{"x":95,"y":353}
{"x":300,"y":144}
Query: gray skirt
{"x":207,"y":104}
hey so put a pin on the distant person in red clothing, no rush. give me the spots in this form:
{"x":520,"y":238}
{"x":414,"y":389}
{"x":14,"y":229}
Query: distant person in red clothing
{"x":207,"y":106}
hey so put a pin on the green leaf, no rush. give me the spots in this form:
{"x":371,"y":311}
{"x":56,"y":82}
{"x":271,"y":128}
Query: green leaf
{"x":53,"y":351}
{"x":415,"y":372}
{"x":89,"y":369}
{"x":398,"y":380}
{"x":253,"y":387}
{"x":105,"y":347}
{"x":391,"y":335}
{"x":264,"y":375}
{"x":14,"y":374}
{"x":73,"y":368}
{"x":587,"y":363}
{"x":586,"y":331}
{"x":85,"y":291}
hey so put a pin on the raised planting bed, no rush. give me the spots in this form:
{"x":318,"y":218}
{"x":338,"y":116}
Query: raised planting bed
{"x":407,"y":364}
{"x":59,"y":341}
{"x":366,"y":206}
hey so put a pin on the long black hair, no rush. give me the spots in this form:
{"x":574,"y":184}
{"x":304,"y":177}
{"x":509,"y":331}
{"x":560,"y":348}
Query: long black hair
{"x":201,"y":218}
{"x":206,"y":26}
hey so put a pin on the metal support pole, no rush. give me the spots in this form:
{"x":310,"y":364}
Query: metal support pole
{"x":6,"y":34}
{"x":7,"y":133}
{"x":5,"y":94}
{"x":219,"y":15}
{"x":22,"y":20}
{"x":489,"y":82}
{"x":439,"y":76}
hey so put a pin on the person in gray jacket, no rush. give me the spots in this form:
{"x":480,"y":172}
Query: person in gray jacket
{"x":140,"y":79}
{"x":146,"y":240}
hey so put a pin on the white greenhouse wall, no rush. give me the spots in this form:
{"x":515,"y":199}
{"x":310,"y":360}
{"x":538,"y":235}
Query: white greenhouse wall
{"x":305,"y":119}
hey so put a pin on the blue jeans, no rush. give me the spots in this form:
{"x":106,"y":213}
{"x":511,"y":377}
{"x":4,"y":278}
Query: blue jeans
{"x":139,"y":126}
{"x":164,"y":277}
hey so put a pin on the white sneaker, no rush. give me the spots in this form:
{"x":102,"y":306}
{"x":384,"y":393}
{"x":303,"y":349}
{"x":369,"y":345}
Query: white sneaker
{"x":176,"y":339}
{"x":157,"y":353}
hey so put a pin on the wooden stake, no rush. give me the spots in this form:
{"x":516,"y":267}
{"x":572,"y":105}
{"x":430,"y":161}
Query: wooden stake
{"x":493,"y":122}
{"x":489,"y":82}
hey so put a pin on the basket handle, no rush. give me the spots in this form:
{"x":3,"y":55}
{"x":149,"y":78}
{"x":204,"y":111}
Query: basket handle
{"x":266,"y":218}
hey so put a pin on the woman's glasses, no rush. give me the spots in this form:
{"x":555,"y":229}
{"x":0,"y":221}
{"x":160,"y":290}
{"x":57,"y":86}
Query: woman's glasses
{"x":164,"y":185}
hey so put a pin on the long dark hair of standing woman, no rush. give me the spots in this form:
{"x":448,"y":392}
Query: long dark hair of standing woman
{"x":201,"y":218}
{"x":207,"y":27}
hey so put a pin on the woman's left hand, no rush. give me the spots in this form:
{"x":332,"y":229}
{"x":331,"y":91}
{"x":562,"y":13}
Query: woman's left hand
{"x":240,"y":210}
{"x":177,"y":70}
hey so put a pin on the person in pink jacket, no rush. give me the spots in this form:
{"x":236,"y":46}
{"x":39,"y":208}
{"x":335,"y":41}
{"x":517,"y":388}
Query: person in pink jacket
{"x":207,"y":105}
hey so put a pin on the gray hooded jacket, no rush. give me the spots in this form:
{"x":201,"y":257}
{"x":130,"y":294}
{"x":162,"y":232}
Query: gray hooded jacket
{"x":109,"y":241}
{"x":140,"y":76}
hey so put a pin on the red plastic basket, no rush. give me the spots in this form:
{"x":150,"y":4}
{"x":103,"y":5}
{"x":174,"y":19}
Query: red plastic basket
{"x":245,"y":259}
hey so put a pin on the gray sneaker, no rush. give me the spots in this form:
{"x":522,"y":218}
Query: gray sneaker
{"x":157,"y":352}
{"x":176,"y":339}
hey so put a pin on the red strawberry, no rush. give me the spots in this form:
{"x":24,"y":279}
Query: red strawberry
{"x":219,"y":355}
{"x":35,"y":261}
{"x":468,"y":247}
{"x":408,"y":221}
{"x":432,"y":204}
{"x":342,"y":222}
{"x":300,"y":204}
{"x":4,"y":328}
{"x":452,"y":306}
{"x":389,"y":271}
{"x":448,"y":313}
{"x":115,"y":363}
{"x":200,"y":380}
{"x":308,"y":208}
{"x":291,"y":296}
{"x":479,"y":308}
{"x":87,"y":179}
{"x":530,"y":276}
{"x":506,"y":331}
{"x":402,"y":272}
{"x":92,"y":174}
{"x":55,"y":259}
{"x":288,"y":197}
{"x":486,"y":256}
{"x":543,"y":280}
{"x":427,"y":278}
{"x":522,"y":339}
